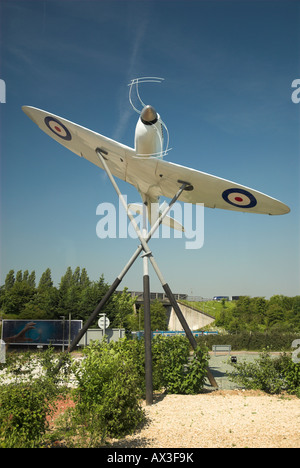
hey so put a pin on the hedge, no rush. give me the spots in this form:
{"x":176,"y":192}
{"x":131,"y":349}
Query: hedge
{"x":252,"y":341}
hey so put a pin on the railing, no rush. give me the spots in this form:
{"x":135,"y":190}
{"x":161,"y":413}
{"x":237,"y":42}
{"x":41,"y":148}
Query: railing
{"x":140,"y":334}
{"x":156,"y":295}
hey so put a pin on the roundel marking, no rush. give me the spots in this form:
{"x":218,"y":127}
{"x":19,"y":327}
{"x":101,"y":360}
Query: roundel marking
{"x":239,"y":197}
{"x":58,"y":128}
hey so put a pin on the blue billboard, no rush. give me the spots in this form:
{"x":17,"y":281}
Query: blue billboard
{"x":40,"y":332}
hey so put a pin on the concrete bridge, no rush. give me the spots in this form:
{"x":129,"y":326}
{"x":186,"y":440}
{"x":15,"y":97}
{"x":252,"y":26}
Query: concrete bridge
{"x":195,"y":318}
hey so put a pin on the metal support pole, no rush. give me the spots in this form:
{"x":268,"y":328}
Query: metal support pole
{"x":147,"y":320}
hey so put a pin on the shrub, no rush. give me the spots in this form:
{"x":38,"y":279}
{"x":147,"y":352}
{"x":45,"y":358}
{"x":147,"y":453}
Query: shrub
{"x":173,"y":367}
{"x":291,"y":374}
{"x":271,"y":375}
{"x":23,"y":412}
{"x":27,"y":400}
{"x":107,"y":396}
{"x":274,"y":340}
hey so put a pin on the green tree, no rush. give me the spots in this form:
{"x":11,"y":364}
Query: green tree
{"x":294,"y":315}
{"x":66,"y":280}
{"x":76,"y":276}
{"x":84,"y":279}
{"x":19,"y":276}
{"x":275,"y":314}
{"x":9,"y":280}
{"x":158,"y":317}
{"x":25,"y":276}
{"x":16,"y":298}
{"x":123,"y":304}
{"x":235,"y":325}
{"x":45,"y":280}
{"x":32,"y":311}
{"x":260,"y":306}
{"x":47,"y":300}
{"x":31,"y":279}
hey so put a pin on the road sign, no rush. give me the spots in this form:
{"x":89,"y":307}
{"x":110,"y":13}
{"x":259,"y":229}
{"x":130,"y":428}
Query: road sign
{"x":103,"y":322}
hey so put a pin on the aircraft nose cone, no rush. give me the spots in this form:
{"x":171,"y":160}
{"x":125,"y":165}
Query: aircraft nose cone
{"x":149,"y":115}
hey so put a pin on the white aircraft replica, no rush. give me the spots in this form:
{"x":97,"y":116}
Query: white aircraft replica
{"x":143,"y":166}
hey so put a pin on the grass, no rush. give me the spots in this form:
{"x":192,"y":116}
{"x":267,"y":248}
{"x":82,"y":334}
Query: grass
{"x":210,"y":307}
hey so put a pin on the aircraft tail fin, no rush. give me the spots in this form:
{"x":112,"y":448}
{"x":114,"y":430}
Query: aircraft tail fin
{"x":167,"y":220}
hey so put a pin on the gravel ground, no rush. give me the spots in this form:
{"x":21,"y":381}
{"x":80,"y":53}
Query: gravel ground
{"x":220,"y":419}
{"x":224,"y":418}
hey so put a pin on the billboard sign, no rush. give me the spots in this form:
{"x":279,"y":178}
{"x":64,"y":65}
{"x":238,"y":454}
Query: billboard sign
{"x":39,"y":332}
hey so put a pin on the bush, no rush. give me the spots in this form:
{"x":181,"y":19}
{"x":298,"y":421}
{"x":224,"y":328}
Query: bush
{"x":274,"y":340}
{"x":107,"y":396}
{"x":111,"y":384}
{"x":271,"y":375}
{"x":27,"y":400}
{"x":23,"y":412}
{"x":291,"y":374}
{"x":173,"y":367}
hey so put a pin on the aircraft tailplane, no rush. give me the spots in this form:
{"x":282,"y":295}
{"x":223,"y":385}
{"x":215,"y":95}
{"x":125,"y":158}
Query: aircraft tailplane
{"x":167,"y":220}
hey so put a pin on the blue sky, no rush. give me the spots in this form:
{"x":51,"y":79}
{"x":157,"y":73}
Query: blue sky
{"x":226,"y":99}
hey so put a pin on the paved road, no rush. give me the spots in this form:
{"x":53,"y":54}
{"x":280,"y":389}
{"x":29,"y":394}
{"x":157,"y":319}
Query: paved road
{"x":220,"y":365}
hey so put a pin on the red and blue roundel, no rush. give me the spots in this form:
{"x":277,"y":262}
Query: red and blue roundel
{"x":58,"y":128}
{"x":239,"y":197}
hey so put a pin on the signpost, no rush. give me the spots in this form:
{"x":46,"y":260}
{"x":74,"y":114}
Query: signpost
{"x":103,"y":323}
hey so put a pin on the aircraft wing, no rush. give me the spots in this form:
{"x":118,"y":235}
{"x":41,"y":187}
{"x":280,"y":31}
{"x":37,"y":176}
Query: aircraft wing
{"x":151,"y":176}
{"x":81,"y":140}
{"x":215,"y":192}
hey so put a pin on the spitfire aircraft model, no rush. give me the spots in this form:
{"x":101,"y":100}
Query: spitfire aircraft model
{"x":144,"y":167}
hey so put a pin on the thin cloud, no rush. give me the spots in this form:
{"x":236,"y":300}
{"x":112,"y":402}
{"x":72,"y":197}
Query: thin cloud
{"x":125,"y":110}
